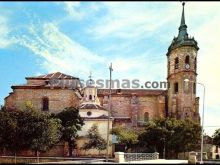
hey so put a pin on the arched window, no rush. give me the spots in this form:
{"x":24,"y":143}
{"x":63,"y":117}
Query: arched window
{"x":187,"y":60}
{"x":176,"y":63}
{"x":146,"y":116}
{"x":195,"y":64}
{"x":90,"y":97}
{"x":45,"y":102}
{"x":176,"y":88}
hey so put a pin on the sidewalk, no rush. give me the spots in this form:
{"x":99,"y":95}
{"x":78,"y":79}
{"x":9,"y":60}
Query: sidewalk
{"x":100,"y":161}
{"x":160,"y":161}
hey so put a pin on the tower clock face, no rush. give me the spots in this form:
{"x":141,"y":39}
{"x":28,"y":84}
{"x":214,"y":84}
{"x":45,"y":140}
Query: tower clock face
{"x":187,"y":66}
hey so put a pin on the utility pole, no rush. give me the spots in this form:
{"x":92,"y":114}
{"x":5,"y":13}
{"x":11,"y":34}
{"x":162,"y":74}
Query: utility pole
{"x":108,"y":131}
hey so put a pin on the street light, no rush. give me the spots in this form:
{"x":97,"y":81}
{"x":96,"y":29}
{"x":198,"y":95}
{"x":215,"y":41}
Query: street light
{"x":164,"y":149}
{"x":201,"y":155}
{"x":108,"y":131}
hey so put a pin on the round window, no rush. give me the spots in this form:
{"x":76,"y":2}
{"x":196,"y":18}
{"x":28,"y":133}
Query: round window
{"x":89,"y":113}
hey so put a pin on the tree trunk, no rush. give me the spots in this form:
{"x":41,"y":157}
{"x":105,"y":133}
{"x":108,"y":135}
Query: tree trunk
{"x":15,"y":158}
{"x":38,"y":160}
{"x":70,"y":148}
{"x":177,"y":155}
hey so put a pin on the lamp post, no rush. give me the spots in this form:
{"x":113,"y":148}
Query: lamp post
{"x":110,"y":91}
{"x":201,"y":155}
{"x":164,"y":147}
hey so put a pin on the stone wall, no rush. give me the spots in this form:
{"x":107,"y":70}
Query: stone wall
{"x":58,"y":98}
{"x":126,"y":106}
{"x":183,"y":104}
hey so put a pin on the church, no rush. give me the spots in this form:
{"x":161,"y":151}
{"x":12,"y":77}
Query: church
{"x":129,"y":107}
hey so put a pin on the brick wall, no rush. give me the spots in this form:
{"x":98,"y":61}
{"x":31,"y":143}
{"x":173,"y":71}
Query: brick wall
{"x":58,"y":98}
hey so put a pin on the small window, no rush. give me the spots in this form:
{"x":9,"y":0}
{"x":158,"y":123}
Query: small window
{"x":146,"y":116}
{"x":45,"y":103}
{"x":195,"y":64}
{"x":176,"y":88}
{"x":168,"y":67}
{"x":194,"y":88}
{"x":187,"y":60}
{"x":216,"y":149}
{"x":89,"y":113}
{"x":176,"y":63}
{"x":90,"y":97}
{"x":118,"y":90}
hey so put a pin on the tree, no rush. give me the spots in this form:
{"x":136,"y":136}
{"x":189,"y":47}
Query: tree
{"x":27,"y":129}
{"x":125,"y":136}
{"x":175,"y":135}
{"x":216,"y":137}
{"x":95,"y":140}
{"x":9,"y":137}
{"x":71,"y":123}
{"x":41,"y":132}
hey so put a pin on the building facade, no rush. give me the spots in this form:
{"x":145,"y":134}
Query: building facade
{"x":130,"y":107}
{"x":181,"y":75}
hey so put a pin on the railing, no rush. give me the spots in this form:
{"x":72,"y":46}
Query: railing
{"x":140,"y":156}
{"x":31,"y":159}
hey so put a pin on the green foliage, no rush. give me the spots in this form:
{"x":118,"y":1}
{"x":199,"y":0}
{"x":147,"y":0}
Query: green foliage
{"x":176,"y":135}
{"x":216,"y":137}
{"x":71,"y":123}
{"x":42,"y":130}
{"x":125,"y":136}
{"x":27,"y":105}
{"x":95,"y":139}
{"x":28,"y":129}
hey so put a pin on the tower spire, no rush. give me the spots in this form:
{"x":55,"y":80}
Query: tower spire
{"x":183,"y":28}
{"x":183,"y":16}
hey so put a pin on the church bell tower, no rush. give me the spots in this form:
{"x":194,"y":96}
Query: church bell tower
{"x":181,"y":75}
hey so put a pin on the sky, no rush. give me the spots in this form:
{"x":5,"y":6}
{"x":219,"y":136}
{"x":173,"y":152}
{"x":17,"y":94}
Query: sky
{"x":75,"y":38}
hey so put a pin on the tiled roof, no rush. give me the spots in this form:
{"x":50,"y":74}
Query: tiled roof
{"x":56,"y":75}
{"x":55,"y":80}
{"x":131,"y":92}
{"x":91,"y":106}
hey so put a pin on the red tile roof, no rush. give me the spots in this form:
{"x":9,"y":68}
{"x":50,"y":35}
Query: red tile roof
{"x":91,"y":106}
{"x":56,"y":75}
{"x":130,"y":92}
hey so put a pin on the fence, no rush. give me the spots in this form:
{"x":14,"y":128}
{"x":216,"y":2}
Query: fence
{"x":28,"y":160}
{"x":140,"y":156}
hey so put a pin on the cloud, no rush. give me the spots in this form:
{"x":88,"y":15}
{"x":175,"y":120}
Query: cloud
{"x":208,"y":58}
{"x":131,"y":20}
{"x":58,"y":51}
{"x":72,"y":8}
{"x":5,"y":40}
